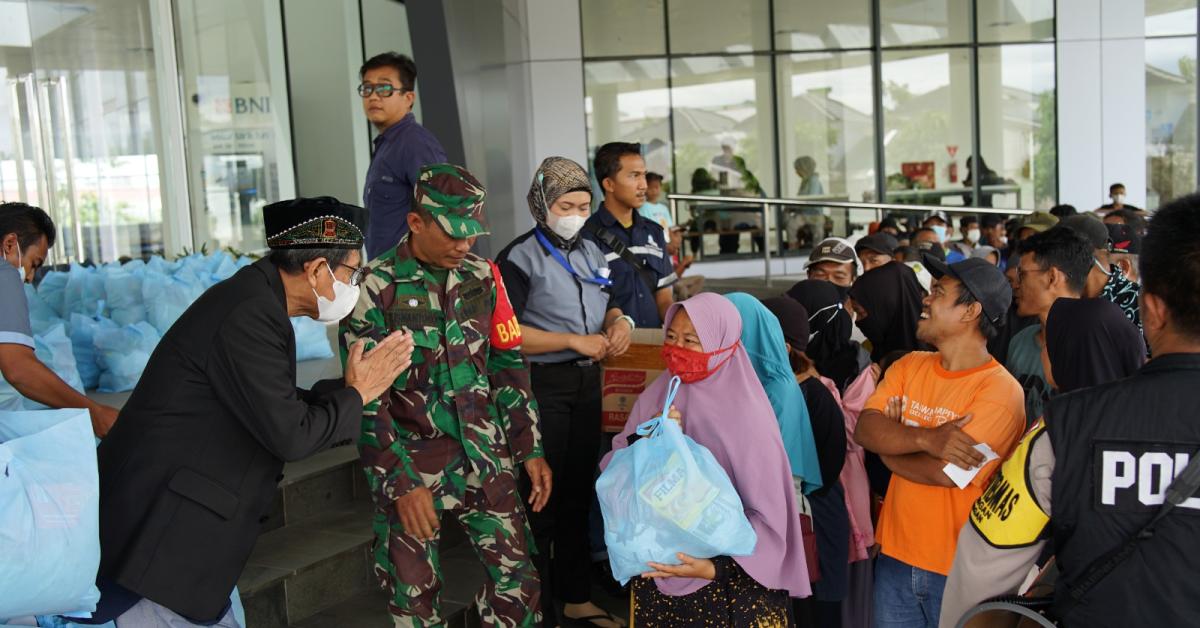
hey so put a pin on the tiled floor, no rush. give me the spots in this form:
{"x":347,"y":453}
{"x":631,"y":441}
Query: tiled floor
{"x":464,"y":577}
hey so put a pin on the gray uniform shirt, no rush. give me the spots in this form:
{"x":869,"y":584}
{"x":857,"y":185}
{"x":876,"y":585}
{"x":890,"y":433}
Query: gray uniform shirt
{"x":14,"y":309}
{"x":982,"y":571}
{"x":546,"y":296}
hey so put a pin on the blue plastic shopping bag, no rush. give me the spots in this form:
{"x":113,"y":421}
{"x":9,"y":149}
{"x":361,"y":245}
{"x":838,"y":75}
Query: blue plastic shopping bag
{"x":666,"y":494}
{"x":312,"y":339}
{"x":49,"y":513}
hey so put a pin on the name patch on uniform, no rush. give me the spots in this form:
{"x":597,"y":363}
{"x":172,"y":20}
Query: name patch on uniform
{"x":474,"y":296}
{"x":1133,"y":477}
{"x":1006,"y":514}
{"x":411,"y":311}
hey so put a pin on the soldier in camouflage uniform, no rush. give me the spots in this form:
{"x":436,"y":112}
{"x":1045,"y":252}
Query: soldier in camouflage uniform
{"x":449,"y":434}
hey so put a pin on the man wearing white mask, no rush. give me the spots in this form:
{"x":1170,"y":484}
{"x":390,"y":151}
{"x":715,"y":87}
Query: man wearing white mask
{"x":1116,"y":193}
{"x":189,"y":471}
{"x":26,"y":235}
{"x":940,"y":225}
{"x":565,"y":338}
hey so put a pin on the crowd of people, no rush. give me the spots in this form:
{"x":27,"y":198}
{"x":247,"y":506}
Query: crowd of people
{"x":896,"y":480}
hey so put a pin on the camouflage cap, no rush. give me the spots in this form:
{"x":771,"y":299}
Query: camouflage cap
{"x":455,"y":199}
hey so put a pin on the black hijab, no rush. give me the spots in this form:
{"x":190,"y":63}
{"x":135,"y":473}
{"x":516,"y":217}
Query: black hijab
{"x":829,"y":345}
{"x":892,"y":297}
{"x":1090,"y":342}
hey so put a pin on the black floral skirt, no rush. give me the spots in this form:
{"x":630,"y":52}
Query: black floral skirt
{"x":733,"y":599}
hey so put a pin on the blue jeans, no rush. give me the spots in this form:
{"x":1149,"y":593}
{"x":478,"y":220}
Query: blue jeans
{"x":906,"y":596}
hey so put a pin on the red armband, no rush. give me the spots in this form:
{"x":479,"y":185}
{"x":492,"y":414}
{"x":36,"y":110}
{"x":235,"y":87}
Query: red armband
{"x":506,"y":331}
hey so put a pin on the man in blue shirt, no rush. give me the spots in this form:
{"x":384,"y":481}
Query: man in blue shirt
{"x":401,"y":148}
{"x":634,"y":246}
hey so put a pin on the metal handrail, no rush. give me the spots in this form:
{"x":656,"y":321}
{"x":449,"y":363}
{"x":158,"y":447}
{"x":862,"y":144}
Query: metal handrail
{"x":749,"y":200}
{"x":764,"y":205}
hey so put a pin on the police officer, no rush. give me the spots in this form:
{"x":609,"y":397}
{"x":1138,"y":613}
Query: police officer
{"x":560,"y":287}
{"x":1091,"y":477}
{"x":635,"y":247}
{"x":450,"y":433}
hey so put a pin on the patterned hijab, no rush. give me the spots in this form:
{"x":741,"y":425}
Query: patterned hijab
{"x":555,"y":177}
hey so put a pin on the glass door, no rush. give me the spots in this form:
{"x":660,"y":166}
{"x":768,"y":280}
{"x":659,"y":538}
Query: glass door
{"x":82,"y":140}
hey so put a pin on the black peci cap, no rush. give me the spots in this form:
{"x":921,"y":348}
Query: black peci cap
{"x":322,"y":222}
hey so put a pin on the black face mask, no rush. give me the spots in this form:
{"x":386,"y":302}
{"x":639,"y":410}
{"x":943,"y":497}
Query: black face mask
{"x":843,"y":292}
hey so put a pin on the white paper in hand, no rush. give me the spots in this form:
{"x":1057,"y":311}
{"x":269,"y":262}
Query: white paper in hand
{"x":962,"y":477}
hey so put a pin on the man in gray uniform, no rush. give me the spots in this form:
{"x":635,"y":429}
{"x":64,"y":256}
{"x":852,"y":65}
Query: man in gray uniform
{"x":26,"y":235}
{"x":560,"y":289}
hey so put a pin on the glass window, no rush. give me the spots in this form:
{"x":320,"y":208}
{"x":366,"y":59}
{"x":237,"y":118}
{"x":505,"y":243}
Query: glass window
{"x":1170,"y":119}
{"x":724,"y":123}
{"x":1015,"y":20}
{"x":822,"y":26}
{"x":927,"y":126}
{"x":1016,"y":123}
{"x":699,"y":26}
{"x":627,"y":101}
{"x":81,"y":99}
{"x":239,"y":150}
{"x":924,"y":22}
{"x":825,"y":115}
{"x":622,"y":28}
{"x":1170,"y":17}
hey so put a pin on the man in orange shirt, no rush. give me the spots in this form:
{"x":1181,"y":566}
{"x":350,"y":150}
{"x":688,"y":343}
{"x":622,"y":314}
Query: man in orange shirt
{"x":957,"y":407}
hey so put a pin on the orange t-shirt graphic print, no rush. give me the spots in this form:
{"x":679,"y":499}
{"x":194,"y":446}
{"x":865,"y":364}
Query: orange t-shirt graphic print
{"x":919,"y":524}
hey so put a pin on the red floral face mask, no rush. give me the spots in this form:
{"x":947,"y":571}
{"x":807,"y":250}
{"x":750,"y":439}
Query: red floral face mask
{"x":692,"y":366}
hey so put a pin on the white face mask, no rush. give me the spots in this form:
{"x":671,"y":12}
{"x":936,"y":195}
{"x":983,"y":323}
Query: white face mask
{"x":1118,"y":199}
{"x":20,"y":267}
{"x":973,"y":236}
{"x":345,"y":296}
{"x":567,"y":227}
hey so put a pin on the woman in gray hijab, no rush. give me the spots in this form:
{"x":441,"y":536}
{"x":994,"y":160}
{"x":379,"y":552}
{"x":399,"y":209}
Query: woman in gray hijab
{"x":559,"y":287}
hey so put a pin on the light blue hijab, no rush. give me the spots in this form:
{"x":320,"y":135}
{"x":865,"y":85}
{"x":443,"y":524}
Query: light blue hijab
{"x":762,"y":337}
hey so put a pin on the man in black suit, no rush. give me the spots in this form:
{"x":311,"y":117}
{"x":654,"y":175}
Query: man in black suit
{"x":192,"y":466}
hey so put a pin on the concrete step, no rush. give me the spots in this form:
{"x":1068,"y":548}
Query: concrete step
{"x":463,"y":576}
{"x":303,"y":568}
{"x":314,"y":552}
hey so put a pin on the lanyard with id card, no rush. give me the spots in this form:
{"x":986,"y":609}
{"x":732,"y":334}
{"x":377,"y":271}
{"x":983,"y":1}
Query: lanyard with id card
{"x":598,"y":277}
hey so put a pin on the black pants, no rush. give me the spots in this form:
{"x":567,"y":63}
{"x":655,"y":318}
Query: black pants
{"x":568,"y":399}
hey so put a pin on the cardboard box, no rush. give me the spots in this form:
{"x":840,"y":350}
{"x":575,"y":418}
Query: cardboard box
{"x":623,"y":379}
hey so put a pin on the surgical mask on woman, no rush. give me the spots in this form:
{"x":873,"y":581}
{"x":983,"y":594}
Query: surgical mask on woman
{"x":567,"y":227}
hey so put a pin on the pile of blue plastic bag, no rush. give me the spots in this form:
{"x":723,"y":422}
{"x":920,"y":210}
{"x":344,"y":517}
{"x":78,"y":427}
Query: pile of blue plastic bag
{"x":97,"y":326}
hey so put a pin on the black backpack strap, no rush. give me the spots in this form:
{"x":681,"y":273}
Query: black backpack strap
{"x":618,"y":247}
{"x":1181,"y":488}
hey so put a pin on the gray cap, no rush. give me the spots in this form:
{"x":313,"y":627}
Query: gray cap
{"x":1090,"y":227}
{"x":983,"y":280}
{"x":832,"y":250}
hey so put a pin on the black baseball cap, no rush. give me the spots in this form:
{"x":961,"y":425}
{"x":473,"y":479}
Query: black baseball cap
{"x":983,"y":280}
{"x":1123,"y":239}
{"x":880,"y":242}
{"x":932,"y":248}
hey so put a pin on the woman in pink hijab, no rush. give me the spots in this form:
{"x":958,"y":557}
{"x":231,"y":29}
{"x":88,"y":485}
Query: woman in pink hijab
{"x":723,"y":407}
